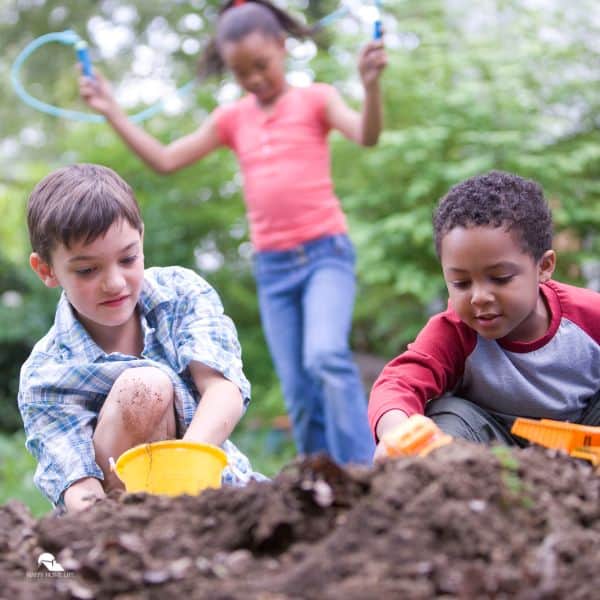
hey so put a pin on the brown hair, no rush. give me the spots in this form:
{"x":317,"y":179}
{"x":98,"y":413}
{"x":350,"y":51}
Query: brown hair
{"x":237,"y":20}
{"x":78,"y":202}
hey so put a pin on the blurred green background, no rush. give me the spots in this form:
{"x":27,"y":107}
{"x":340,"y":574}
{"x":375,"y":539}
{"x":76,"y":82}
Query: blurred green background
{"x":470,"y":86}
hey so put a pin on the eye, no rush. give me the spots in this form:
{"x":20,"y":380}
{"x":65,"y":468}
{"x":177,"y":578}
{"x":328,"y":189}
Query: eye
{"x":504,"y":279}
{"x":85,"y":272}
{"x":461,"y":285}
{"x":128,"y":260}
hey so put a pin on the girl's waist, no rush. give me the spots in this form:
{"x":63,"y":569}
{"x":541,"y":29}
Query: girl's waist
{"x":329,"y":244}
{"x":286,"y":236}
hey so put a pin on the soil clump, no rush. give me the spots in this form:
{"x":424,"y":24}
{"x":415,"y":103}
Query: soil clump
{"x":465,"y":522}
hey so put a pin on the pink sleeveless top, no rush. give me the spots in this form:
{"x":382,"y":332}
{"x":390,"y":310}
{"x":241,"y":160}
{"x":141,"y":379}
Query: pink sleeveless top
{"x":285,"y":164}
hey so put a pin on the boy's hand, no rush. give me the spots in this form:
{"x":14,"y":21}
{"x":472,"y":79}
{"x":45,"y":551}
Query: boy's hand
{"x":97,"y":93}
{"x":83,"y":493}
{"x":387,"y":422}
{"x":371,"y":62}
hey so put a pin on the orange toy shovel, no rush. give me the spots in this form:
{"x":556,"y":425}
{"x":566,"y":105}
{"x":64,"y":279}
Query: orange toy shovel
{"x":416,"y":436}
{"x":579,"y":441}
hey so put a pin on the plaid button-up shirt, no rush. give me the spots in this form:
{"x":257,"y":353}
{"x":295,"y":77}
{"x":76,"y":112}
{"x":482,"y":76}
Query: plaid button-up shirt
{"x":67,"y":377}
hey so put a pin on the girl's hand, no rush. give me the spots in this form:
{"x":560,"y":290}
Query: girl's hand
{"x":97,"y":93}
{"x":371,"y":62}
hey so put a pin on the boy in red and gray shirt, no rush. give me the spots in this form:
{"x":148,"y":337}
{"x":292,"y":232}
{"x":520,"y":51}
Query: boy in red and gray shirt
{"x":513,"y":342}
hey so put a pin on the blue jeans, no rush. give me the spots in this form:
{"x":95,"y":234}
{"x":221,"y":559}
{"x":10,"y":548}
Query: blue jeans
{"x":306,"y":298}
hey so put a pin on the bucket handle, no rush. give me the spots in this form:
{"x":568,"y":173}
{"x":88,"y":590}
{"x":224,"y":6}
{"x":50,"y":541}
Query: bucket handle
{"x":113,"y":467}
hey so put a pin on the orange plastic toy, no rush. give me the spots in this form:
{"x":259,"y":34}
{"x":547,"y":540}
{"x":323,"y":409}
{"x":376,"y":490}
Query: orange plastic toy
{"x":579,"y":441}
{"x":418,"y":435}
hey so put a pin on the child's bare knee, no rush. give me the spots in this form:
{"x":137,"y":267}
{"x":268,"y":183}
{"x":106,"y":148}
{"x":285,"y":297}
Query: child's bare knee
{"x":142,"y":396}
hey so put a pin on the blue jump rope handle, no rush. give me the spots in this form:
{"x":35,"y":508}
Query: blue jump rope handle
{"x":377,"y":30}
{"x":84,"y":58}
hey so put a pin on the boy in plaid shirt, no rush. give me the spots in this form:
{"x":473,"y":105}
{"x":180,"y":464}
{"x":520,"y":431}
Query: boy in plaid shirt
{"x":133,"y":356}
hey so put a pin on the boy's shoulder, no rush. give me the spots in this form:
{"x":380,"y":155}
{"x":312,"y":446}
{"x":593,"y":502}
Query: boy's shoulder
{"x":173,"y":279}
{"x":174,"y":286}
{"x":579,"y":305}
{"x":575,"y":296}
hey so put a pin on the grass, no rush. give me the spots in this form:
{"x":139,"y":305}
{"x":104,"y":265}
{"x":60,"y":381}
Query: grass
{"x":267,"y":449}
{"x":16,"y":475}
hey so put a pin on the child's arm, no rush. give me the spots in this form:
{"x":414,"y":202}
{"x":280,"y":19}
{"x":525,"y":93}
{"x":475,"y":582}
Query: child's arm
{"x":162,"y":158}
{"x":431,"y":366}
{"x":362,"y":128}
{"x":59,"y":430}
{"x":206,"y":343}
{"x":219,"y":410}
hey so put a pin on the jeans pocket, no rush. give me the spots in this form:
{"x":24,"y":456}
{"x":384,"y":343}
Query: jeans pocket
{"x":344,"y":247}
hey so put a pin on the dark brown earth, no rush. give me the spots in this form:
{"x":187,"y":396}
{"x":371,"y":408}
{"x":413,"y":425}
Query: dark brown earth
{"x":465,"y":522}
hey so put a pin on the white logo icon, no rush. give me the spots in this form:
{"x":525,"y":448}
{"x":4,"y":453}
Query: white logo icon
{"x":50,"y":562}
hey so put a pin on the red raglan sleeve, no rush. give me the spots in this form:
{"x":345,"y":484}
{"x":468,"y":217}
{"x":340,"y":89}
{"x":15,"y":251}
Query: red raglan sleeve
{"x":431,"y":366}
{"x":579,"y":305}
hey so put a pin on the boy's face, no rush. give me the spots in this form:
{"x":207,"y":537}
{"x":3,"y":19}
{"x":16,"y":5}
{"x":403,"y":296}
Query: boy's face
{"x":493,"y":284}
{"x":102,"y":279}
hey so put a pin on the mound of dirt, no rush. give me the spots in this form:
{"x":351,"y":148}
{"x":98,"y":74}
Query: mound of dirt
{"x":465,"y":522}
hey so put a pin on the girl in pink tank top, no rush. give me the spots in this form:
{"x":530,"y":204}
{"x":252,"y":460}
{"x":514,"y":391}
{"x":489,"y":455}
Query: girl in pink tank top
{"x":304,"y":261}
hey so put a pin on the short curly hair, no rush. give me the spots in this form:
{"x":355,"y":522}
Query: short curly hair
{"x":497,"y":199}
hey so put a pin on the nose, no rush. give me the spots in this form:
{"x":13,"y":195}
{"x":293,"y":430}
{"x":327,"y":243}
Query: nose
{"x":481,"y":295}
{"x":253,"y":80}
{"x":113,"y":281}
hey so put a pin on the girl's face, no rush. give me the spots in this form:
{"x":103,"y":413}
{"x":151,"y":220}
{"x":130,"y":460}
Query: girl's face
{"x":493,"y":285}
{"x":258,"y":64}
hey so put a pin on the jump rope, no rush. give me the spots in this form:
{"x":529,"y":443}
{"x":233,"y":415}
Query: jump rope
{"x":70,"y":38}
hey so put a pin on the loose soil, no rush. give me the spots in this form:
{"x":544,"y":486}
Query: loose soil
{"x":464,"y":522}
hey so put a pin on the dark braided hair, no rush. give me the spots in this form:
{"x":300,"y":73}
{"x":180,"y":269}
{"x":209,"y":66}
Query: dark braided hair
{"x":497,"y":199}
{"x":236,"y":21}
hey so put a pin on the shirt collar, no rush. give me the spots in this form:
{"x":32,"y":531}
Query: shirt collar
{"x":71,"y":335}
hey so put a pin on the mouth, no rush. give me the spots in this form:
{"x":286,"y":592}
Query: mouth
{"x":487,"y":319}
{"x":115,"y":301}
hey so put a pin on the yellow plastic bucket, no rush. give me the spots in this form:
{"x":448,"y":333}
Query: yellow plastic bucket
{"x":172,"y":467}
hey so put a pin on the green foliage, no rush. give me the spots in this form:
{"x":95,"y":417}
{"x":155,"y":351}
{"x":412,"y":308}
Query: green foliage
{"x":16,"y":475}
{"x":268,"y":449}
{"x":473,"y":93}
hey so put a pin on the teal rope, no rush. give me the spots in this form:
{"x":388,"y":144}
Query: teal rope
{"x":69,"y":37}
{"x":331,"y":18}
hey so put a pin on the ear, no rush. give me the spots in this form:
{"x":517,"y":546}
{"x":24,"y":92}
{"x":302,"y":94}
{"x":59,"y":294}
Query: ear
{"x":546,"y":265}
{"x":44,"y":270}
